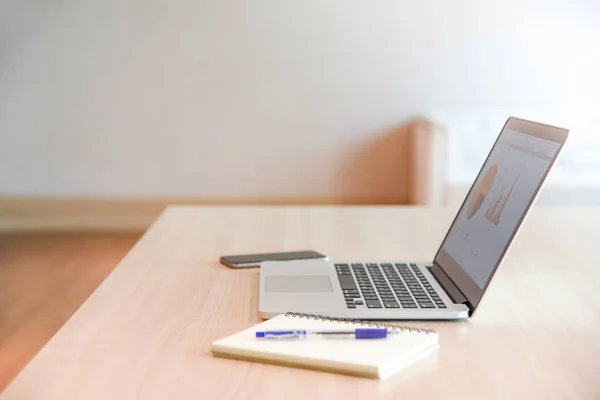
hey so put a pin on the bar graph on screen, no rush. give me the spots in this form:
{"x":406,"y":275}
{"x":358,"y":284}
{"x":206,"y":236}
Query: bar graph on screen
{"x":495,"y":210}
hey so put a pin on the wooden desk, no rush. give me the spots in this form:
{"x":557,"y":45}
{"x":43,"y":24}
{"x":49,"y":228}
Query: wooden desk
{"x":146,"y":331}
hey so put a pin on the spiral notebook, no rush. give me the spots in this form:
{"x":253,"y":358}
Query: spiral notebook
{"x":373,"y":358}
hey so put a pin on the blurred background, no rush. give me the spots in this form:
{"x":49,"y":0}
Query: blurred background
{"x":282,"y":102}
{"x":110,"y":110}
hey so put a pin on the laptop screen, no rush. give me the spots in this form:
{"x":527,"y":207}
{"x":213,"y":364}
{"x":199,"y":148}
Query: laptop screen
{"x":496,"y":205}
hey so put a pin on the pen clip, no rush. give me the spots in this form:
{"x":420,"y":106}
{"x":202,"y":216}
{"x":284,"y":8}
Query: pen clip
{"x":280,"y":334}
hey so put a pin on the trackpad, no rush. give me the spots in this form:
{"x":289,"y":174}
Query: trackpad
{"x":298,"y":284}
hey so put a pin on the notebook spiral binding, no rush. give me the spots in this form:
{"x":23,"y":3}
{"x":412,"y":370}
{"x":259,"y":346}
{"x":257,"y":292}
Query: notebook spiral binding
{"x":391,"y":327}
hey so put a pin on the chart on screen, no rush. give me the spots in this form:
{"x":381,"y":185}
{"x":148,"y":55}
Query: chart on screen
{"x":496,"y":205}
{"x":494,"y":211}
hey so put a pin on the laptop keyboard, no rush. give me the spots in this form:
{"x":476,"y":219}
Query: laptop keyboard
{"x":386,"y":286}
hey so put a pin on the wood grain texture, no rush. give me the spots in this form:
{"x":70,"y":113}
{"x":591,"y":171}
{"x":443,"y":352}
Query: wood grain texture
{"x":101,"y":214}
{"x":146,"y":331}
{"x":44,"y":278}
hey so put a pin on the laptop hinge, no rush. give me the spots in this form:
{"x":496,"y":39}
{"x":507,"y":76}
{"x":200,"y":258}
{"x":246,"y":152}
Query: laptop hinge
{"x":447,"y":284}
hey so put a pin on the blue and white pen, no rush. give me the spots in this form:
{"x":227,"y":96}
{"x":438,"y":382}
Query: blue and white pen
{"x":299,"y":334}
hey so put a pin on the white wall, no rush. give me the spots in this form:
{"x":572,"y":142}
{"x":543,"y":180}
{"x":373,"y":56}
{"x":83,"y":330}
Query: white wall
{"x":147,"y":97}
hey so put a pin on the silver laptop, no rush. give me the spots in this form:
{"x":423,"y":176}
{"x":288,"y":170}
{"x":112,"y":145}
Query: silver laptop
{"x":451,"y":285}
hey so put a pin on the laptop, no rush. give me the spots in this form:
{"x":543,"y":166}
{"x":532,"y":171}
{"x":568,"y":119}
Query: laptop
{"x":452,"y":283}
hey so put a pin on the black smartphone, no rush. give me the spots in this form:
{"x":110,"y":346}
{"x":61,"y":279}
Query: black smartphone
{"x":254,"y":260}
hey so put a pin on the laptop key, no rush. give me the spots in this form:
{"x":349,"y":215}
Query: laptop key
{"x":359,"y":302}
{"x":391,"y":305}
{"x":411,"y":305}
{"x":426,"y":305}
{"x":347,"y":282}
{"x":351,"y":305}
{"x":373,"y":304}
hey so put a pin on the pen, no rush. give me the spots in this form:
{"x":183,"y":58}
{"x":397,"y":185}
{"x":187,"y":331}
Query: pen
{"x":298,"y":334}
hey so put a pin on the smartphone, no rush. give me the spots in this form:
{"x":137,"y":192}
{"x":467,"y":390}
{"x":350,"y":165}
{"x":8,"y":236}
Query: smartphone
{"x":254,"y":260}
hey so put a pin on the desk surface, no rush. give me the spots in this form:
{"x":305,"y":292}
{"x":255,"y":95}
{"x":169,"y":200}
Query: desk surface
{"x":146,"y":331}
